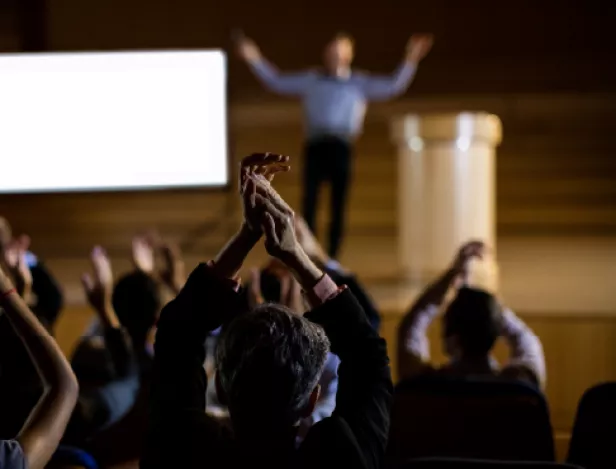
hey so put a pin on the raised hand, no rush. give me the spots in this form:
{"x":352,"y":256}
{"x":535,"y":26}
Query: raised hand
{"x":14,"y":259}
{"x":276,"y":218}
{"x":173,"y":273}
{"x":98,"y":287}
{"x":247,"y":48}
{"x":468,"y":251}
{"x":265,"y":164}
{"x":258,"y":168}
{"x":418,"y":47}
{"x":143,"y":254}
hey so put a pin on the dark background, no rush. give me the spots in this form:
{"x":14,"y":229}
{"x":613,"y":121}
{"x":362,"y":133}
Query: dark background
{"x":482,"y":46}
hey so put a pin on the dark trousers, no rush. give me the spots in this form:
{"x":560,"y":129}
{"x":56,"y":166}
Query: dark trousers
{"x":327,"y":159}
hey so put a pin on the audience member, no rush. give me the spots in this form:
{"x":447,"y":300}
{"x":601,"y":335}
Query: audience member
{"x":275,"y":284}
{"x":42,"y":431}
{"x":472,"y":323}
{"x":105,"y":363}
{"x":16,"y":367}
{"x":46,"y":300}
{"x":269,"y":361}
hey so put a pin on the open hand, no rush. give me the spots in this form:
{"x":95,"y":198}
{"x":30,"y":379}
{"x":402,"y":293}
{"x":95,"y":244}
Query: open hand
{"x":99,"y":286}
{"x":418,"y":47}
{"x":143,"y":254}
{"x":468,"y":251}
{"x":173,"y":273}
{"x":247,"y":48}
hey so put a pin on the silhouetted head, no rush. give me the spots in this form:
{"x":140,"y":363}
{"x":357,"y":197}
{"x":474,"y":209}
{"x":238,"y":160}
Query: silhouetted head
{"x":137,"y":303}
{"x":339,"y":52}
{"x":471,"y":324}
{"x":269,"y":363}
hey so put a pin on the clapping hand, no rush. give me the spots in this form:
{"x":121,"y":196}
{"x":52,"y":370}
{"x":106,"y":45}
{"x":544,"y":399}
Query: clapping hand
{"x":468,"y":251}
{"x":258,"y":169}
{"x":173,"y":273}
{"x":143,"y":254}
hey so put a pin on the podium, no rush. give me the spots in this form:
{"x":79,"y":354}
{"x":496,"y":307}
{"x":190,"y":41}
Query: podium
{"x":446,"y":190}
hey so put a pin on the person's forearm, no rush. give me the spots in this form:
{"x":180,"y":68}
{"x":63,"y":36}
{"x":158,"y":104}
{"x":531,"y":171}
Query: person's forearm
{"x":525,"y":347}
{"x":304,"y":269}
{"x":47,"y":356}
{"x":435,"y":293}
{"x":380,"y":88}
{"x":43,"y":431}
{"x":229,"y":260}
{"x":283,"y":83}
{"x":108,"y":317}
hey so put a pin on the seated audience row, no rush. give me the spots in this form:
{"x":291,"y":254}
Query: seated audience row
{"x":286,"y":370}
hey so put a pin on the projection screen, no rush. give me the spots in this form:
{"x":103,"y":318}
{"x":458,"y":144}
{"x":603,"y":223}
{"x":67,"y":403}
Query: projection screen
{"x":112,"y":121}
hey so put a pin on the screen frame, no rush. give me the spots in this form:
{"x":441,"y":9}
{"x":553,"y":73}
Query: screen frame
{"x":226,"y":187}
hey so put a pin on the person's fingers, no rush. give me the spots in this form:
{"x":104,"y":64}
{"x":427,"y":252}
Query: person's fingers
{"x":276,"y":214}
{"x":97,"y":256}
{"x":87,"y":282}
{"x":269,"y":227}
{"x":252,"y":188}
{"x":271,"y":171}
{"x":269,"y":193}
{"x":260,"y":159}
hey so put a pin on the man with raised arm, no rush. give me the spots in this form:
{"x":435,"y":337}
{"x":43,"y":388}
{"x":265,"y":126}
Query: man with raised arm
{"x":269,"y":359}
{"x":41,"y":433}
{"x":334,"y":99}
{"x":472,"y":322}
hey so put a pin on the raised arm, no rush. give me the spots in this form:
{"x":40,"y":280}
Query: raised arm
{"x":526,"y":361}
{"x":336,"y":271}
{"x":179,"y":382}
{"x":98,"y":289}
{"x":42,"y":432}
{"x":365,"y":388}
{"x":413,"y":344}
{"x":290,"y":84}
{"x":379,"y":88}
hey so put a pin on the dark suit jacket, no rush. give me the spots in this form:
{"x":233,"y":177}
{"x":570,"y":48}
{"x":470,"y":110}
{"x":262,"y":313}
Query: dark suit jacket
{"x":181,"y":435}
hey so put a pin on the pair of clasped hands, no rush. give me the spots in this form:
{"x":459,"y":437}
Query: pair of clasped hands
{"x":265,"y":212}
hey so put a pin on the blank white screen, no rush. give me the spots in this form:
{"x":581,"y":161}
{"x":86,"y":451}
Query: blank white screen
{"x":104,"y":121}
